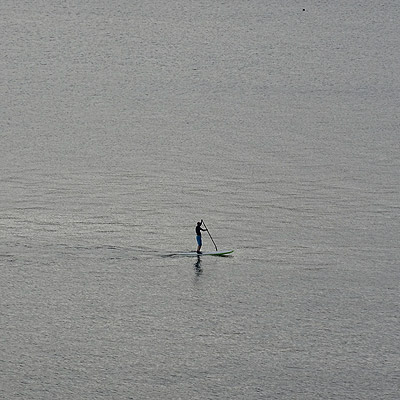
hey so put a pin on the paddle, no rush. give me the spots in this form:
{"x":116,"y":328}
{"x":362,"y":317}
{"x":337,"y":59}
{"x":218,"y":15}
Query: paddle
{"x":210,"y":235}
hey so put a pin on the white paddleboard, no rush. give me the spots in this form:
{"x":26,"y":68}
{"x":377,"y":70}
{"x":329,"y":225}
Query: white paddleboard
{"x":208,"y":253}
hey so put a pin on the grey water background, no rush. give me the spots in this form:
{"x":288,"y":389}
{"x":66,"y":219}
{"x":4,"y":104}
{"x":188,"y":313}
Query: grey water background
{"x":125,"y":122}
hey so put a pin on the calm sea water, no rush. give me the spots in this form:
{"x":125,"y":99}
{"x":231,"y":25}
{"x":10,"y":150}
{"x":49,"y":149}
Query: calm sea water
{"x":123,"y":123}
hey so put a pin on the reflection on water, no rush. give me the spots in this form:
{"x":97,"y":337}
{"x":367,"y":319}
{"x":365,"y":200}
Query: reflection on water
{"x":197,"y":266}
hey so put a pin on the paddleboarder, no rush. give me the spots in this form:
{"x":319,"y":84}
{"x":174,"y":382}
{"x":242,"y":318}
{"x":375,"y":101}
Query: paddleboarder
{"x":198,"y":235}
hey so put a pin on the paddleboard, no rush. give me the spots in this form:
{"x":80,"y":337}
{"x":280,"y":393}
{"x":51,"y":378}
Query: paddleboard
{"x":208,"y":253}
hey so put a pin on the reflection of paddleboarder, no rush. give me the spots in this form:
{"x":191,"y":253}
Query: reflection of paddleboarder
{"x":197,"y":266}
{"x":198,"y":236}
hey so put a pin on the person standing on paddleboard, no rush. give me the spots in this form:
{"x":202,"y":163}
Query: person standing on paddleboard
{"x":198,"y":236}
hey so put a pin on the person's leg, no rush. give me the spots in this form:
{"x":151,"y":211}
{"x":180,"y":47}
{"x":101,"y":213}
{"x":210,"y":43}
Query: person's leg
{"x":198,"y":243}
